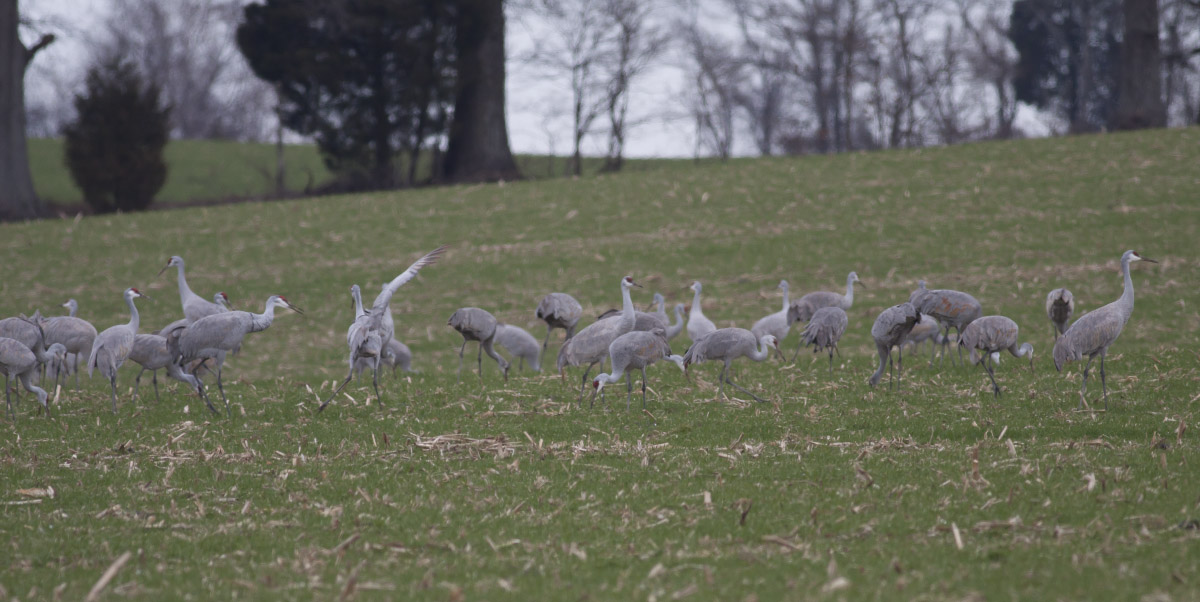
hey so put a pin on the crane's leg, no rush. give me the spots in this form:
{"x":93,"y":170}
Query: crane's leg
{"x":1103,"y":384}
{"x":460,"y":360}
{"x":200,"y":387}
{"x":155,"y":379}
{"x":721,"y":392}
{"x":545,"y":343}
{"x":137,"y":384}
{"x":521,"y":364}
{"x":335,"y":391}
{"x":113,"y":382}
{"x":583,"y":383}
{"x":740,"y":388}
{"x":831,"y":350}
{"x":479,"y":361}
{"x":891,"y":370}
{"x":643,"y":388}
{"x":899,"y":366}
{"x":991,"y":372}
{"x":798,"y":348}
{"x":1083,"y":386}
{"x":629,"y":390}
{"x":221,"y":388}
{"x":77,"y":372}
{"x":375,"y":379}
{"x":7,"y":398}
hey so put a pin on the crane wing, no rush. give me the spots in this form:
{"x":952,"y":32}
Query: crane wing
{"x":390,"y":289}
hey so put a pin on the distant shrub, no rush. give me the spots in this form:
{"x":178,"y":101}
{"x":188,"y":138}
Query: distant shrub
{"x":114,"y":148}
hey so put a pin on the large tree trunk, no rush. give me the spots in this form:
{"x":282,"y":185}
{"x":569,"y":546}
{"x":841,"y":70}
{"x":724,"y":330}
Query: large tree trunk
{"x":478,"y":147}
{"x":17,"y":198}
{"x":1140,"y":102}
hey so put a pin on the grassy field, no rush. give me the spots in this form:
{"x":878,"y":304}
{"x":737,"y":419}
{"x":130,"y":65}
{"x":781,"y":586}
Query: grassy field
{"x":511,"y":491}
{"x":205,"y":170}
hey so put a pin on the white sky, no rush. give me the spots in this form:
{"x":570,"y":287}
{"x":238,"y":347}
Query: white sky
{"x":538,"y":103}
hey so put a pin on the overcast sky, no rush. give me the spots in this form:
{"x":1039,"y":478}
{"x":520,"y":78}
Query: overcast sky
{"x":538,"y":102}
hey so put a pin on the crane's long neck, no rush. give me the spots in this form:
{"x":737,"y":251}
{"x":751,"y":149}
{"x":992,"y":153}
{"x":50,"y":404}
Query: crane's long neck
{"x":608,"y":379}
{"x":785,"y":299}
{"x":259,"y":322}
{"x":358,"y":308}
{"x":628,"y":317}
{"x":678,"y":318}
{"x":72,"y":309}
{"x":1025,"y":349}
{"x":696,"y":302}
{"x":1126,"y":300}
{"x":184,"y":291}
{"x":849,"y":291}
{"x":761,"y":352}
{"x":134,"y":320}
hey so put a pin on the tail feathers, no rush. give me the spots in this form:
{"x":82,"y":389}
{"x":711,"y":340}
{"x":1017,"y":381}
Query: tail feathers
{"x":91,"y":363}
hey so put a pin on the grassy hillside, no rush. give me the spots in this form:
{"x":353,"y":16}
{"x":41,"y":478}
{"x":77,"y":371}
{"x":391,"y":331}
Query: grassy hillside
{"x":201,"y":170}
{"x":511,"y":491}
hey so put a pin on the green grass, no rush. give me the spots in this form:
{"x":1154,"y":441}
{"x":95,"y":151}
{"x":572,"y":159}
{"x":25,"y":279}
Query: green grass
{"x":512,"y":492}
{"x":205,"y":170}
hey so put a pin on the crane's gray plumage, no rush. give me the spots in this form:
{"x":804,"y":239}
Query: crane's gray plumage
{"x":475,"y":324}
{"x":151,"y":352}
{"x":889,"y":330}
{"x":23,"y":329}
{"x":20,"y":362}
{"x":558,"y":310}
{"x":112,"y":346}
{"x":726,"y":345}
{"x":1095,"y":331}
{"x":803,"y":308}
{"x":824,"y":330}
{"x":223,"y":332}
{"x":1060,"y":306}
{"x":195,"y":307}
{"x":373,"y":329}
{"x":775,"y":324}
{"x":953,"y":309}
{"x":397,"y":355}
{"x":928,"y":329}
{"x":672,"y":330}
{"x":519,"y":343}
{"x":75,"y":334}
{"x":992,"y":334}
{"x":917,"y":292}
{"x":698,"y":324}
{"x":590,"y":345}
{"x":634,"y":351}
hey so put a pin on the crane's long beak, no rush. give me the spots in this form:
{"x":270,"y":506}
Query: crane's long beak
{"x":1150,"y":260}
{"x":294,"y":308}
{"x":145,"y":296}
{"x":860,"y":283}
{"x":162,"y":270}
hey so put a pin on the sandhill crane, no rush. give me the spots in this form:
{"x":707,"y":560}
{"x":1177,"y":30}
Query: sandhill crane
{"x":23,"y":329}
{"x":824,"y":330}
{"x":397,"y":355}
{"x":928,"y":329}
{"x":373,"y":329}
{"x":726,"y":345}
{"x":672,"y":330}
{"x":953,"y":309}
{"x":223,"y":332}
{"x":698,"y":324}
{"x":889,"y":330}
{"x":1060,"y":305}
{"x":475,"y":324}
{"x":194,"y":306}
{"x":776,"y":324}
{"x":20,"y":362}
{"x":111,"y":347}
{"x":642,"y":321}
{"x":803,"y":308}
{"x":1095,"y":331}
{"x":558,"y":310}
{"x":992,"y":334}
{"x":223,"y":300}
{"x":519,"y":343}
{"x":75,"y":334}
{"x":634,"y":351}
{"x":150,"y":351}
{"x":590,"y":345}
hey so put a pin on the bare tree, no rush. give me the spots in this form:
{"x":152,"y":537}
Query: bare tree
{"x":187,"y":48}
{"x":579,"y":45}
{"x":991,"y":57}
{"x":637,"y":43}
{"x":715,"y":74}
{"x":17,"y":197}
{"x":1181,"y":60}
{"x":1140,"y":102}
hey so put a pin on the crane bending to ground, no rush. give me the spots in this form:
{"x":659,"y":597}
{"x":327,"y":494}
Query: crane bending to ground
{"x":75,"y":334}
{"x":634,"y":351}
{"x":590,"y":345}
{"x":824,"y":331}
{"x":991,"y":335}
{"x":889,"y":330}
{"x":1095,"y":331}
{"x":953,"y":309}
{"x":111,"y":347}
{"x":558,"y":310}
{"x":151,"y":352}
{"x":726,"y":345}
{"x":802,"y":309}
{"x":20,"y":362}
{"x":519,"y":343}
{"x":370,"y":332}
{"x":1060,"y":305}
